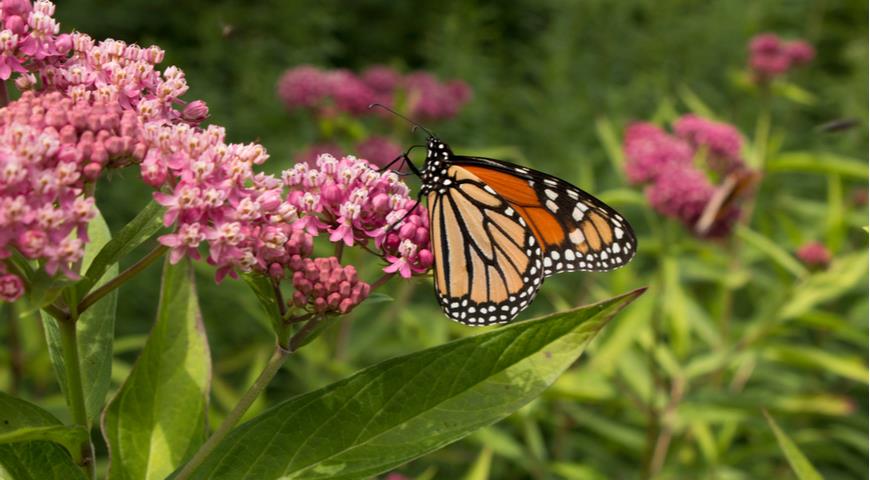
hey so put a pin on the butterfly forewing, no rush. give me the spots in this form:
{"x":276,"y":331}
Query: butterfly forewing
{"x":488,"y":264}
{"x":576,"y":231}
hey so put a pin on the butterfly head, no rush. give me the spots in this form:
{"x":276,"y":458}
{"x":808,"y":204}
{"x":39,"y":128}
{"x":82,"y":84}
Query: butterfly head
{"x":435,"y":148}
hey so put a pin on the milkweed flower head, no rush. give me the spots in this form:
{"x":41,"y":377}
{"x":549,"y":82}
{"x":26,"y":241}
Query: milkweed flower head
{"x":720,"y":141}
{"x":676,"y":186}
{"x":83,"y":108}
{"x":770,"y":56}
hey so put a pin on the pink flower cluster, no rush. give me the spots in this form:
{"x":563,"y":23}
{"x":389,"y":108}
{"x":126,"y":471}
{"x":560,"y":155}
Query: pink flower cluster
{"x":45,"y":158}
{"x":353,"y":203}
{"x":29,"y":36}
{"x":770,"y":56}
{"x":814,"y":255}
{"x":326,"y":91}
{"x":324,"y":286}
{"x":676,"y":187}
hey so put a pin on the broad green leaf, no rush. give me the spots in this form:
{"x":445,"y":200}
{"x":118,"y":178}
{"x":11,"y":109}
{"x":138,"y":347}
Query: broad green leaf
{"x":798,"y":461}
{"x":773,"y":251}
{"x":70,"y":437}
{"x":405,"y":407}
{"x":141,"y":228}
{"x":95,"y":331}
{"x":818,"y":162}
{"x":841,"y":277}
{"x":157,"y":418}
{"x":32,"y":457}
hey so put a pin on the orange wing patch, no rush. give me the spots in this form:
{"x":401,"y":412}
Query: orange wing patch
{"x":523,"y":197}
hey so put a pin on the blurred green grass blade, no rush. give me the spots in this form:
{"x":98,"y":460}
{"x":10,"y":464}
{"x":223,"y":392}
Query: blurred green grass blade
{"x":157,"y":418}
{"x":798,"y":461}
{"x":628,"y":437}
{"x":818,"y":162}
{"x":35,"y":459}
{"x":845,"y":272}
{"x":480,"y":468}
{"x":95,"y":330}
{"x":694,"y":102}
{"x":402,"y":408}
{"x":609,"y":139}
{"x":773,"y":251}
{"x":145,"y":224}
{"x":634,"y":321}
{"x":502,"y":444}
{"x":576,"y":471}
{"x":849,"y":367}
{"x":793,"y":92}
{"x":675,"y":305}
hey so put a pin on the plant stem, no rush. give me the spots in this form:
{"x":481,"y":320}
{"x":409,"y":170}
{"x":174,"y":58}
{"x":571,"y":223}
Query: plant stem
{"x":4,"y":94}
{"x":279,"y":356}
{"x":122,"y":278}
{"x":75,"y":389}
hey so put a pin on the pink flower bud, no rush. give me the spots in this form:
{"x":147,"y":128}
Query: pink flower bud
{"x":11,"y":287}
{"x":92,"y":170}
{"x":195,"y":112}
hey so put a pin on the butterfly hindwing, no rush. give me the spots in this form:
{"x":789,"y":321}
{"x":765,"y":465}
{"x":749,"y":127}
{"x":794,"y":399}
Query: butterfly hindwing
{"x":576,"y":231}
{"x":487,"y":263}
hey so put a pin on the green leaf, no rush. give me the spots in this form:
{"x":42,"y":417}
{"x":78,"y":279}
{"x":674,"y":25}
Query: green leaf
{"x":792,"y":92}
{"x":849,"y":367}
{"x":405,"y":407}
{"x":95,"y":331}
{"x":798,"y":461}
{"x":694,"y":102}
{"x":36,"y":454}
{"x":841,"y":277}
{"x":818,"y":162}
{"x":141,"y":228}
{"x":158,"y":416}
{"x":70,"y":437}
{"x":773,"y":251}
{"x":610,"y":140}
{"x":265,"y":293}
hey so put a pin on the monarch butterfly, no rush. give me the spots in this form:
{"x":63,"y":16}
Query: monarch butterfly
{"x":498,"y":229}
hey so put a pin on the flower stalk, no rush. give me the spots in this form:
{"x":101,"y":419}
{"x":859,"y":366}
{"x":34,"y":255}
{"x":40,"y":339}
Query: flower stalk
{"x":75,"y":388}
{"x":279,"y":356}
{"x":122,"y":278}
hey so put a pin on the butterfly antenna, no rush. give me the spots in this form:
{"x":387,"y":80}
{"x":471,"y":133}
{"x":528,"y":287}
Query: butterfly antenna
{"x":415,"y":124}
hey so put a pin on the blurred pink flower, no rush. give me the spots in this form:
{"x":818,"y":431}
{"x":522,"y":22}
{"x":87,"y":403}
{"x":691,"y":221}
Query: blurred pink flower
{"x":721,"y":140}
{"x":429,"y":99}
{"x":304,"y":86}
{"x":382,"y":79}
{"x":378,"y":150}
{"x":814,"y":255}
{"x":771,"y":57}
{"x":650,"y":151}
{"x":680,"y":193}
{"x":350,"y":94}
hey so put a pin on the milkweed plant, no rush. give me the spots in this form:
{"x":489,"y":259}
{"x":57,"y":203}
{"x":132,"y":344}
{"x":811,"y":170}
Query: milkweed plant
{"x":76,"y":110}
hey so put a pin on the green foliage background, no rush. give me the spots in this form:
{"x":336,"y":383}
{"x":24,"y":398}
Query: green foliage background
{"x":543,"y":73}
